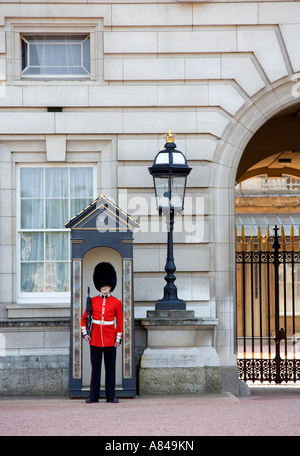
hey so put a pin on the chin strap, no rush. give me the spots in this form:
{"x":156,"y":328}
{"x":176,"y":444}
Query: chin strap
{"x":104,"y":296}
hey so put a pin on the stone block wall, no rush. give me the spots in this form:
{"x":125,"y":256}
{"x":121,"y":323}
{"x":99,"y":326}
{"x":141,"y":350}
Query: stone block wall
{"x":34,"y":358}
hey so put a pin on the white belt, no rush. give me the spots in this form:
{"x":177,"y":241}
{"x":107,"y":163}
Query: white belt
{"x":102,"y":322}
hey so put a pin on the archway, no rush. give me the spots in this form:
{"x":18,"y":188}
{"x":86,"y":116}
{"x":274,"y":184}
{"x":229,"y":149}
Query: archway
{"x":248,"y":121}
{"x":267,"y":194}
{"x":278,"y":138}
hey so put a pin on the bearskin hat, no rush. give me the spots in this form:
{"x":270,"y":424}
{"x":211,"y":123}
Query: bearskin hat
{"x":104,"y":274}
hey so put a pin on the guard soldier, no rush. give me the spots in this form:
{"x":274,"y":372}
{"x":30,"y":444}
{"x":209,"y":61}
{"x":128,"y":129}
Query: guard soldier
{"x":106,"y":332}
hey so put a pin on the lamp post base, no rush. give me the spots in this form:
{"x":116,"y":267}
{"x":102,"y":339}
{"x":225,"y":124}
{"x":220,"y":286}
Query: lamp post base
{"x":170,"y":304}
{"x":180,"y":357}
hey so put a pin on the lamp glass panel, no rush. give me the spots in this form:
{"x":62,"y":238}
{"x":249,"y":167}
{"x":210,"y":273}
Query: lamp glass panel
{"x":178,"y":158}
{"x":177,"y":191}
{"x":162,"y":190}
{"x":162,"y":158}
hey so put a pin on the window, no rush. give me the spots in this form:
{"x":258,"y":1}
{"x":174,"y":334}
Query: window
{"x":49,"y":197}
{"x":55,"y":55}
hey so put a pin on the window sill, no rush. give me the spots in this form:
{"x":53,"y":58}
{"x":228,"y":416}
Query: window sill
{"x":44,"y":299}
{"x":36,"y":311}
{"x":64,"y":77}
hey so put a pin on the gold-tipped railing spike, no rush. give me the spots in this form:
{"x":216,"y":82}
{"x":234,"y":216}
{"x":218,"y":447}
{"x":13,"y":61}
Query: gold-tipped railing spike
{"x":259,"y":239}
{"x":283,"y":239}
{"x":251,"y":242}
{"x":243,"y":239}
{"x":268,"y":239}
{"x":292,"y":239}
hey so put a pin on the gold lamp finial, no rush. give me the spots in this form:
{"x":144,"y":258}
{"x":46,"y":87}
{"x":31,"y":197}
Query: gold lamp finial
{"x":169,"y":137}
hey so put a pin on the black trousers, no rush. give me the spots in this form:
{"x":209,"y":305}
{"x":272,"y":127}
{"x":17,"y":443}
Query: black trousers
{"x":110,"y":370}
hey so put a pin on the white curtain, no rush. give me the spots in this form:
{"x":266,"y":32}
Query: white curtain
{"x":32,"y":256}
{"x":57,"y":54}
{"x":81,"y":189}
{"x":56,"y":193}
{"x":56,"y":257}
{"x":32,"y":192}
{"x":49,"y":198}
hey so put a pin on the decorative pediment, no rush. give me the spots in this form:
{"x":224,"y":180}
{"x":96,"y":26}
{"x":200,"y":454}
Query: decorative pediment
{"x":102,"y":215}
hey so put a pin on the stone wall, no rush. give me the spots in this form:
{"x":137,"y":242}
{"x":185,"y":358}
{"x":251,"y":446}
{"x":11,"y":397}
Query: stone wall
{"x":34,"y":358}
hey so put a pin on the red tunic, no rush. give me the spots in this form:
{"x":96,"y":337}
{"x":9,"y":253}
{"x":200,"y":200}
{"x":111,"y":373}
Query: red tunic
{"x":107,"y":321}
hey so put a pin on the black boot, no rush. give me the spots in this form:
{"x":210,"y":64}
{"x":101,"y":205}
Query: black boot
{"x":114,"y":400}
{"x":90,"y":400}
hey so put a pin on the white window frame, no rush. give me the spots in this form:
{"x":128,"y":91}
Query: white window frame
{"x":24,"y":37}
{"x":44,"y":297}
{"x":60,"y":26}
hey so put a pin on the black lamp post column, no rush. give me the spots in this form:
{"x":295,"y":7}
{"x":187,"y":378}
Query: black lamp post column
{"x":170,"y":300}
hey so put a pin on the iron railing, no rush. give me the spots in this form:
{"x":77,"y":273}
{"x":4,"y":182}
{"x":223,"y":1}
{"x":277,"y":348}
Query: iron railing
{"x":268,"y":307}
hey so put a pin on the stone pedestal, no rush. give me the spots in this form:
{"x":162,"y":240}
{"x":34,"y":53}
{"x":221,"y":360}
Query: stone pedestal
{"x":180,"y":357}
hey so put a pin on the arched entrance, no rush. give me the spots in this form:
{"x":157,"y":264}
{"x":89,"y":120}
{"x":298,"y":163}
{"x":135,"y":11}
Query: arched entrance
{"x":267,"y":252}
{"x":229,"y":154}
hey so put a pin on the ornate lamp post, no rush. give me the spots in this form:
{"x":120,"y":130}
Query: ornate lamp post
{"x":170,"y":171}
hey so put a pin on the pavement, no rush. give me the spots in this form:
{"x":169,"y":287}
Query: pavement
{"x":268,"y":411}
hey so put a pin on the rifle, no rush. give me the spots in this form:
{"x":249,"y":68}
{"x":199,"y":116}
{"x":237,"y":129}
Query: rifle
{"x":89,"y":312}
